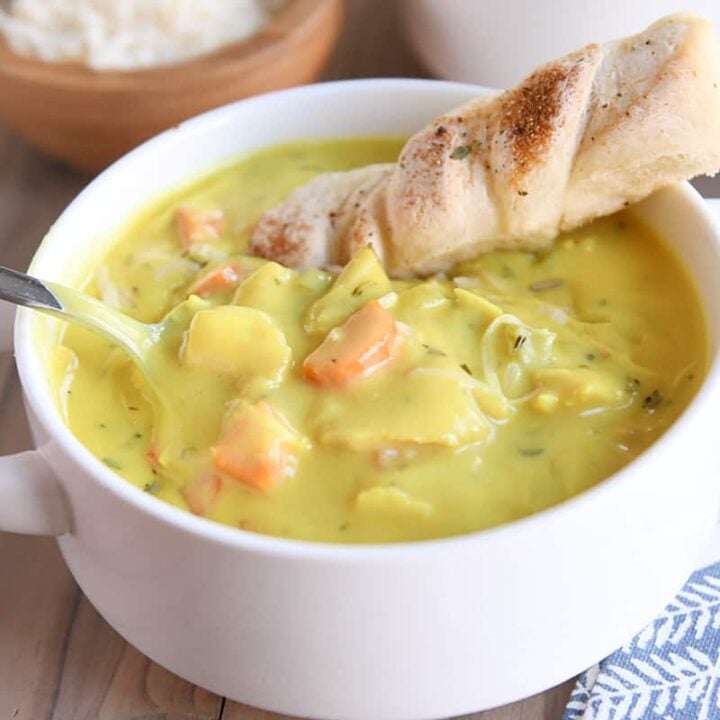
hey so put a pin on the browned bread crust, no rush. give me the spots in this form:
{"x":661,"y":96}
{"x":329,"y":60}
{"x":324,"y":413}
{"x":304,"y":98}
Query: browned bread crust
{"x":581,"y":137}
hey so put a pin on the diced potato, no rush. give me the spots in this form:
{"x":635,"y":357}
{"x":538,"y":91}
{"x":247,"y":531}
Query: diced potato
{"x":316,"y":279}
{"x":238,"y":341}
{"x":362,"y":279}
{"x":197,"y":226}
{"x":472,"y":300}
{"x":389,"y":500}
{"x":422,"y":297}
{"x":277,"y":290}
{"x":201,"y":493}
{"x":263,"y":289}
{"x":579,"y":387}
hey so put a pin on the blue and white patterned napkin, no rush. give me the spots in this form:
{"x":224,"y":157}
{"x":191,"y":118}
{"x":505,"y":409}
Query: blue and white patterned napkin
{"x":670,"y":671}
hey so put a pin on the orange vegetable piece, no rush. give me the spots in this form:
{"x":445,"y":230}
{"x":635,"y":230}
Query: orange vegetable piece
{"x":366,"y":340}
{"x":201,"y":493}
{"x":221,"y":279}
{"x":256,"y":450}
{"x":199,"y":226}
{"x":152,"y":457}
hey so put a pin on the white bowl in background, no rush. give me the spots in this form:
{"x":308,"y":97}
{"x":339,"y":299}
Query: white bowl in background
{"x":389,"y":632}
{"x":498,"y":42}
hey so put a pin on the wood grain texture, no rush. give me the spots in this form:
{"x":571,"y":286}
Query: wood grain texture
{"x":58,"y":659}
{"x":103,"y":677}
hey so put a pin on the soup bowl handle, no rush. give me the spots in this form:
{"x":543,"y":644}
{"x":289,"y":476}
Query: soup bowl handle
{"x":31,"y":499}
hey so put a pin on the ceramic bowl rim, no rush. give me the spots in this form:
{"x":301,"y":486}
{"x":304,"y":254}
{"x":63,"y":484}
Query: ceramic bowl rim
{"x":31,"y":368}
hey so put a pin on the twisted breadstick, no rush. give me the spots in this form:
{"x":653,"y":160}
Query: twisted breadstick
{"x":581,"y":137}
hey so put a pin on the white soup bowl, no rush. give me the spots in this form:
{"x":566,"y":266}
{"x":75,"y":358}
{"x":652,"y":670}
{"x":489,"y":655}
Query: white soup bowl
{"x":408,"y":631}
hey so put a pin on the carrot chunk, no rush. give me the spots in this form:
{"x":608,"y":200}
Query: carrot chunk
{"x":202,"y":492}
{"x":221,"y":279}
{"x":366,"y":341}
{"x":151,"y":455}
{"x":196,"y":227}
{"x":256,"y":448}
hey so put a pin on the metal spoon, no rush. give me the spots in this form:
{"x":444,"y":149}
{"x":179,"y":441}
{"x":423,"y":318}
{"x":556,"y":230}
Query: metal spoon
{"x":139,"y":340}
{"x":134,"y":337}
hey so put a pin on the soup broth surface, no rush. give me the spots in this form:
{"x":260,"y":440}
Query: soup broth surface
{"x":511,"y":384}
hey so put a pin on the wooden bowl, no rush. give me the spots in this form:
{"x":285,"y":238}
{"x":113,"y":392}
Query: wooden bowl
{"x":90,"y":118}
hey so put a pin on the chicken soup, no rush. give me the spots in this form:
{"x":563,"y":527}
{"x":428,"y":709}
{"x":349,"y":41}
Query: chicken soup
{"x":346,"y":406}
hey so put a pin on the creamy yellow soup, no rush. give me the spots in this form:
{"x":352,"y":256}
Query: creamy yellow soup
{"x":349,"y":407}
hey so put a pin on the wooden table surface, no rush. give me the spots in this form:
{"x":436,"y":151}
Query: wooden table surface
{"x":58,"y":659}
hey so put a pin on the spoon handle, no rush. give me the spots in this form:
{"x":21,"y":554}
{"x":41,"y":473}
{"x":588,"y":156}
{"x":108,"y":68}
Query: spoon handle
{"x":21,"y":289}
{"x":138,"y":339}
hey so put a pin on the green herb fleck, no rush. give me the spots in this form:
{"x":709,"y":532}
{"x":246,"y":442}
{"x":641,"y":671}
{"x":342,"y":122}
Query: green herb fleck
{"x":137,"y":436}
{"x":632,"y":386}
{"x":361,"y":288}
{"x":466,"y":368}
{"x":152,"y":487}
{"x":460,"y":152}
{"x":522,"y":193}
{"x":433,"y":351}
{"x":344,"y":527}
{"x":652,"y":401}
{"x":548,"y":284}
{"x":531,"y":452}
{"x":113,"y":464}
{"x":507,"y":272}
{"x":590,"y":356}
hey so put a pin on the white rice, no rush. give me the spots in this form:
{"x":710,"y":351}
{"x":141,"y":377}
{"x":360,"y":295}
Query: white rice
{"x":129,"y":34}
